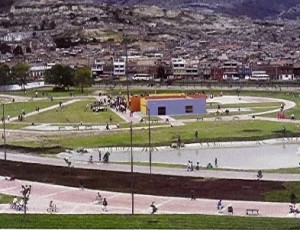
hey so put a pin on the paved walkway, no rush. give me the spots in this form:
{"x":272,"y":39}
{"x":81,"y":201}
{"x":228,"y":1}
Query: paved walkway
{"x":76,"y":201}
{"x":70,"y":200}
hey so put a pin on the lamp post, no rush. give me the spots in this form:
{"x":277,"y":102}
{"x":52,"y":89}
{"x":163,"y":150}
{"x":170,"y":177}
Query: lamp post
{"x":4,"y":136}
{"x":126,"y":69}
{"x":132,"y":177}
{"x":150,"y":150}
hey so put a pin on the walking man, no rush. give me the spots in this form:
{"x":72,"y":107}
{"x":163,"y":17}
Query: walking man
{"x":154,"y":208}
{"x":216,"y":162}
{"x":104,"y":205}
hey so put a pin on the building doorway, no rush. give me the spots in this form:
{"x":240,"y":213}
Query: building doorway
{"x":161,"y":111}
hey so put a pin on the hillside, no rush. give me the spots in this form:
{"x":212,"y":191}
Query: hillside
{"x":256,"y":9}
{"x":5,"y":5}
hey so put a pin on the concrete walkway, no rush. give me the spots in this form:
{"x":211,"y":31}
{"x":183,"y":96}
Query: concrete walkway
{"x":71,"y":200}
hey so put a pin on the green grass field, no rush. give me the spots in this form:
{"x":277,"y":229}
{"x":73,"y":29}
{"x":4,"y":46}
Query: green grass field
{"x":144,"y":222}
{"x":5,"y":199}
{"x":208,"y":132}
{"x":48,"y":92}
{"x":74,"y":113}
{"x":15,"y":109}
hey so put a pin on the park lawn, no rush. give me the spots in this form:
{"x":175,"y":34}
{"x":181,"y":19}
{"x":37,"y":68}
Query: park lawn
{"x":174,"y":221}
{"x":246,"y":105}
{"x":208,"y":132}
{"x":285,"y":170}
{"x":14,"y":125}
{"x":48,"y":92}
{"x":15,"y":109}
{"x":5,"y":199}
{"x":75,"y":113}
{"x":284,"y":195}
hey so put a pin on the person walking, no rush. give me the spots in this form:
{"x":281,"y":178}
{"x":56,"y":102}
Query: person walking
{"x":154,"y":208}
{"x":193,"y":196}
{"x":216,"y":162}
{"x":104,"y":205}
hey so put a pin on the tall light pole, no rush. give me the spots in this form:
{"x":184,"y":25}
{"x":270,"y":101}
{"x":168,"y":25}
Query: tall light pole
{"x":150,"y":150}
{"x":126,"y":69}
{"x":132,"y":177}
{"x":4,"y":136}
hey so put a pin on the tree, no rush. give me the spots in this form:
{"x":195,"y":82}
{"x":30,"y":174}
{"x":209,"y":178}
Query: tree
{"x":161,"y":73}
{"x":83,"y":77}
{"x":4,"y":74}
{"x":59,"y":75}
{"x":20,"y":72}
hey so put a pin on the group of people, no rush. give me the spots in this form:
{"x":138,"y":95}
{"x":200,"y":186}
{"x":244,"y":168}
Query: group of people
{"x":17,"y":204}
{"x":190,"y":166}
{"x":20,"y":204}
{"x":99,"y":200}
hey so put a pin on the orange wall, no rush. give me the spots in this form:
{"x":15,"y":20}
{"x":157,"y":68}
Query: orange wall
{"x":135,"y":104}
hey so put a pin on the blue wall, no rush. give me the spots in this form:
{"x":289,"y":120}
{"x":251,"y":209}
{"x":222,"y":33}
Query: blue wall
{"x":177,"y":106}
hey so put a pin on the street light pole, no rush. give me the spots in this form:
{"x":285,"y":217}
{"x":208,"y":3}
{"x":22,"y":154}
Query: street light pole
{"x":126,"y":70}
{"x":132,"y":177}
{"x":4,"y":136}
{"x":150,"y":150}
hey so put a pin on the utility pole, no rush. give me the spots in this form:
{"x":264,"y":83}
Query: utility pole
{"x":126,"y":69}
{"x":150,"y":150}
{"x":4,"y":136}
{"x":132,"y":176}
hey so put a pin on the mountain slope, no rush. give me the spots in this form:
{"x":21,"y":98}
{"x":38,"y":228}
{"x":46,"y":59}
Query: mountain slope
{"x":5,"y":5}
{"x":256,"y":9}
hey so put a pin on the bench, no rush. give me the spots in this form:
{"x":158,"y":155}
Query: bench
{"x":235,"y":118}
{"x":155,"y":120}
{"x":76,"y":127}
{"x":252,"y":211}
{"x":88,"y":127}
{"x":61,"y":128}
{"x":199,"y":118}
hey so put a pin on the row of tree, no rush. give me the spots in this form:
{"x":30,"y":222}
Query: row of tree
{"x":59,"y":75}
{"x":65,"y":76}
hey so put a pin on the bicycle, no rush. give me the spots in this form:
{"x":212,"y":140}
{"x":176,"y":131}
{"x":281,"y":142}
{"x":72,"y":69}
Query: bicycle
{"x":52,"y":208}
{"x":98,"y":201}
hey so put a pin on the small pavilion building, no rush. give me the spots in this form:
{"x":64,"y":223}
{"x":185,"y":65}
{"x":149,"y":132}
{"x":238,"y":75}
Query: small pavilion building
{"x":169,"y":104}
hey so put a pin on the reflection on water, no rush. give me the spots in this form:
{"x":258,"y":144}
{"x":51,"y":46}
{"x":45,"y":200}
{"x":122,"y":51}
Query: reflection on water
{"x":264,"y":156}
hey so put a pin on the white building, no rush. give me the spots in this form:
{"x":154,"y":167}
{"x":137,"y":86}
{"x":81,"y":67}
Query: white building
{"x":97,"y":68}
{"x":178,"y":67}
{"x":119,"y":67}
{"x":37,"y":72}
{"x":259,"y":76}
